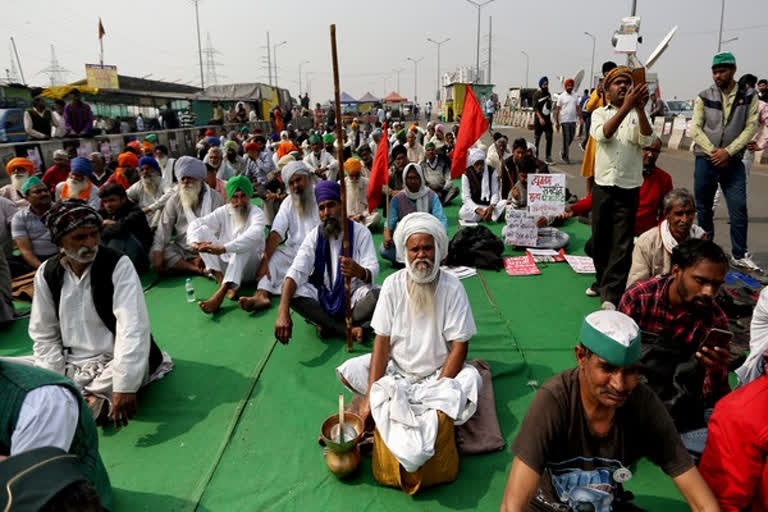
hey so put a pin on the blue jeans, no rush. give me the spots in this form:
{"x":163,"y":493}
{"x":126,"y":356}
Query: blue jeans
{"x":733,"y":181}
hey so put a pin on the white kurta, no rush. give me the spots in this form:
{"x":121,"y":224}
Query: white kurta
{"x":292,"y":229}
{"x":324,"y":160}
{"x":467,"y":211}
{"x":49,"y":416}
{"x":244,"y":245}
{"x":363,"y":252}
{"x":138,"y":194}
{"x":404,"y":403}
{"x":79,"y":345}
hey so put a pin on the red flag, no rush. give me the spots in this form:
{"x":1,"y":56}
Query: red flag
{"x":380,"y":172}
{"x":472,"y":126}
{"x":102,"y":32}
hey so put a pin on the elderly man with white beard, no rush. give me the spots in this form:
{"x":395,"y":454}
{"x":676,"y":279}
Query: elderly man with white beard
{"x":423,"y":323}
{"x":357,"y":200}
{"x":150,"y":193}
{"x":82,"y":328}
{"x":296,"y":217}
{"x":191,"y":199}
{"x":78,"y":184}
{"x":231,"y":241}
{"x":18,"y":169}
{"x":314,"y":285}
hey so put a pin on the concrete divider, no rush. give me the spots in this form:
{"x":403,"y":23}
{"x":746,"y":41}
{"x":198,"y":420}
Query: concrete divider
{"x":678,"y":131}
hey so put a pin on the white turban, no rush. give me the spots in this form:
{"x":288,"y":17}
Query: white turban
{"x":421,"y":223}
{"x":485,"y":188}
{"x":187,"y":166}
{"x":292,"y":168}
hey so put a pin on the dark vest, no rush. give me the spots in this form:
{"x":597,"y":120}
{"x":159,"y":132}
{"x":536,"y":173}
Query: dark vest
{"x":16,"y":381}
{"x":41,"y":123}
{"x":476,"y":185}
{"x":102,"y":289}
{"x":722,"y":133}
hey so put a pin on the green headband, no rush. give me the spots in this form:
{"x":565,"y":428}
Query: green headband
{"x":608,"y":348}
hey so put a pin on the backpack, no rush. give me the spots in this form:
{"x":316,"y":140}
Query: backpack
{"x":476,"y":247}
{"x":102,"y":289}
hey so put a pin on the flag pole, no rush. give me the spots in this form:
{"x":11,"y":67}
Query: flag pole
{"x":346,"y":250}
{"x":101,"y":44}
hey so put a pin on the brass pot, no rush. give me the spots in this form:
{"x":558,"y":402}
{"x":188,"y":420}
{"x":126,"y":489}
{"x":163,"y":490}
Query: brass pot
{"x":343,"y":464}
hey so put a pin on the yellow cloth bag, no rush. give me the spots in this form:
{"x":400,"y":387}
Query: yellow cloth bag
{"x":440,"y":469}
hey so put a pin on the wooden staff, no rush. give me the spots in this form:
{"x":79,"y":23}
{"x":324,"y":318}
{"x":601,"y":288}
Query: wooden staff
{"x":345,"y":249}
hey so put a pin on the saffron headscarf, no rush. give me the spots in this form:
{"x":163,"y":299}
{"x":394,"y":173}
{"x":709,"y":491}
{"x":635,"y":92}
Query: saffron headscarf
{"x":24,"y":163}
{"x":66,"y":216}
{"x":285,"y":148}
{"x":236,"y":183}
{"x":127,"y":159}
{"x":353,"y":164}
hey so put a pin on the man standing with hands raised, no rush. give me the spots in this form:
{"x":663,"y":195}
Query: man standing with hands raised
{"x":620,"y":129}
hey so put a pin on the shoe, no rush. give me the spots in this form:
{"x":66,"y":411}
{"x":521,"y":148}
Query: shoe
{"x":608,"y":306}
{"x":745,"y":263}
{"x":549,"y":160}
{"x":591,"y":292}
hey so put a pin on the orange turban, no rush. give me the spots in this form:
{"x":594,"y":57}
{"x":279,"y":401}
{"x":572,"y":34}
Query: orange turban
{"x":147,"y":146}
{"x":353,"y":164}
{"x":127,"y":159}
{"x":285,"y":147}
{"x":134,"y":144}
{"x":24,"y":163}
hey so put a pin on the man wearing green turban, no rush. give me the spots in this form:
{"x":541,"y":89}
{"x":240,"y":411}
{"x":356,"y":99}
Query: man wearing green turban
{"x":321,"y":161}
{"x":230,"y":241}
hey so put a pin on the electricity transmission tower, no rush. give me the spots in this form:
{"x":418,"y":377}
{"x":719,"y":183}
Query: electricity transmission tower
{"x":211,"y":76}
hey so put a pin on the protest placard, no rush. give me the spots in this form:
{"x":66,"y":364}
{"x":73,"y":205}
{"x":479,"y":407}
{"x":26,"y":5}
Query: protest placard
{"x":521,"y":266}
{"x":521,"y":230}
{"x":581,"y":264}
{"x":546,"y":194}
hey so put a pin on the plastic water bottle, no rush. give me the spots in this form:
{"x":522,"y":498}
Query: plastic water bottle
{"x":190,"y":290}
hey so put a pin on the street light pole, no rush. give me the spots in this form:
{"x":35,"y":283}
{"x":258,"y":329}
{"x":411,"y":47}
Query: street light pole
{"x":438,"y":44}
{"x":479,"y":7}
{"x":722,"y":17}
{"x":527,"y":62}
{"x":592,"y":66}
{"x":416,"y":78}
{"x":397,"y":72}
{"x":301,"y":64}
{"x":274,"y":53}
{"x":199,"y":47}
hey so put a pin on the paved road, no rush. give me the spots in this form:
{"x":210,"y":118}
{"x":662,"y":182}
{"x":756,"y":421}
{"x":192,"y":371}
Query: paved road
{"x":679,"y":164}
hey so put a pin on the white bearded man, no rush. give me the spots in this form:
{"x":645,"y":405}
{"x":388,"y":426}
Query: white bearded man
{"x":150,"y":192}
{"x":18,"y":169}
{"x":82,"y":327}
{"x":423,"y":322}
{"x":78,"y":184}
{"x":231,"y":241}
{"x":191,"y":199}
{"x":296,"y":217}
{"x":357,"y":200}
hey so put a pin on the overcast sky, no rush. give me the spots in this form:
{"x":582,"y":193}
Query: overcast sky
{"x":375,"y":37}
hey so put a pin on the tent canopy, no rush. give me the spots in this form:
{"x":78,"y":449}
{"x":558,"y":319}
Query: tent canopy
{"x":369,"y":98}
{"x":393,"y":97}
{"x":346,"y":99}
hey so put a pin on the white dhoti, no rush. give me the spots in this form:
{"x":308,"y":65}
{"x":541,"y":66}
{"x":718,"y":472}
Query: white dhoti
{"x":467,"y":212}
{"x":94,"y":375}
{"x":404,"y":407}
{"x":237,"y":267}
{"x":279,"y":264}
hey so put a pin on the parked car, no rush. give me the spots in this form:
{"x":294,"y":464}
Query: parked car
{"x":12,"y":125}
{"x":679,"y":108}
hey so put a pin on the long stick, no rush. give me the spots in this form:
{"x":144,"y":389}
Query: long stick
{"x":346,"y":250}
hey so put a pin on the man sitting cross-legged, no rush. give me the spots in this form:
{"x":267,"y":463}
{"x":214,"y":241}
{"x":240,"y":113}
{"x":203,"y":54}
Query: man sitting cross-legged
{"x":314,"y":285}
{"x":230,"y":240}
{"x":423,"y":323}
{"x":297,"y":217}
{"x":89,"y":321}
{"x":587,"y":426}
{"x":191,"y":199}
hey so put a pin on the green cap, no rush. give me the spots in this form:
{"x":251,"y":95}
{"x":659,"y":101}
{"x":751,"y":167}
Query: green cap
{"x":328,"y":137}
{"x":723,"y":59}
{"x":315,"y":139}
{"x":613,"y":336}
{"x":151,"y":138}
{"x":30,"y":182}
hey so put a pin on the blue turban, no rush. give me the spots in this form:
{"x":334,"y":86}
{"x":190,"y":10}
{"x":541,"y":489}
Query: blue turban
{"x":150,"y":161}
{"x":81,"y":165}
{"x":327,"y":191}
{"x":213,"y":141}
{"x":543,"y":80}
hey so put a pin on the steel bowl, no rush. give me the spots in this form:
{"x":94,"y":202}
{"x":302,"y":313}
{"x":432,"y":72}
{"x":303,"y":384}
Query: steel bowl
{"x":331,"y":441}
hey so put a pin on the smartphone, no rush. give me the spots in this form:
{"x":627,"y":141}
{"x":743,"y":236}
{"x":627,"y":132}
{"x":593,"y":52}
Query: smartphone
{"x":717,"y":338}
{"x":638,"y":76}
